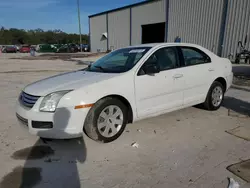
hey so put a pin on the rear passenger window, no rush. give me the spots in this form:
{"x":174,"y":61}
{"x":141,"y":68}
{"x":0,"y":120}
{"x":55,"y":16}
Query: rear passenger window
{"x":193,"y":56}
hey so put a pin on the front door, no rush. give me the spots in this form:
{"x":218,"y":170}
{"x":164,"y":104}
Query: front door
{"x":161,"y":91}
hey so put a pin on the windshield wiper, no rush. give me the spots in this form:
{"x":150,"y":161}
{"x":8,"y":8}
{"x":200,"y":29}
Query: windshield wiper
{"x":99,"y":67}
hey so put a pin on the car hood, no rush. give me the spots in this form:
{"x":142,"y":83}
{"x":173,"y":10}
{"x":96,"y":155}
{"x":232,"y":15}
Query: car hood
{"x":66,"y":81}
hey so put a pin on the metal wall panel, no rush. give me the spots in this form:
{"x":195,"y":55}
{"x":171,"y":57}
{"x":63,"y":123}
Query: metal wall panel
{"x":196,"y":21}
{"x":237,"y":26}
{"x":119,"y":29}
{"x":98,"y":25}
{"x":150,"y":13}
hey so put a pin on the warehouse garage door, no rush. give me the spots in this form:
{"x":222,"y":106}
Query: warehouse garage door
{"x":153,"y":33}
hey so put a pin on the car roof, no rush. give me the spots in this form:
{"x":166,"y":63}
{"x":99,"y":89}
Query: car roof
{"x":165,"y":44}
{"x":156,"y":45}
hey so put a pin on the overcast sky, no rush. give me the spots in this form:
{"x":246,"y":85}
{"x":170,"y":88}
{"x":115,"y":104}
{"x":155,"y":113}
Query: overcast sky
{"x":53,"y":14}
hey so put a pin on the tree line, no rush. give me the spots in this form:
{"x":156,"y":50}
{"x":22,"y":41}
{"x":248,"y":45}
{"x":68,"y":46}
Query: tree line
{"x":15,"y":36}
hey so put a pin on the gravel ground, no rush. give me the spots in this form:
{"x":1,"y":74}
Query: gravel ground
{"x":186,"y":148}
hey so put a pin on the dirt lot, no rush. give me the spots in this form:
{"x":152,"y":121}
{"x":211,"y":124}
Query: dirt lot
{"x":187,"y":148}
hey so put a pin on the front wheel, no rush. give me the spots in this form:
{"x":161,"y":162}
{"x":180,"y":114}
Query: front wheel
{"x":215,"y":96}
{"x":106,"y":120}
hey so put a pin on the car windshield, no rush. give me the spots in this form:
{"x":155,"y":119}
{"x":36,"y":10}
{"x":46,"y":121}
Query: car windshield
{"x":65,"y":46}
{"x":119,"y":61}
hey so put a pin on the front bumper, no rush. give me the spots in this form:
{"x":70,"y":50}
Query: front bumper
{"x":67,"y":122}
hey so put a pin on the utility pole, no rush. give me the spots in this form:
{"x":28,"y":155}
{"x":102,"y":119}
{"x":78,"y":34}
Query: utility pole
{"x":79,"y":23}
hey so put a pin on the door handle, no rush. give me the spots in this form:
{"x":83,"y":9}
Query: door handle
{"x":211,"y":70}
{"x":178,"y":76}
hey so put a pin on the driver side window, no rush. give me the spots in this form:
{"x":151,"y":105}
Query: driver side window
{"x":166,"y":58}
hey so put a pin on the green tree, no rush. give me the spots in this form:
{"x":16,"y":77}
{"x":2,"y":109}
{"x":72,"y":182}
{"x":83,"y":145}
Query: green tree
{"x":38,"y":36}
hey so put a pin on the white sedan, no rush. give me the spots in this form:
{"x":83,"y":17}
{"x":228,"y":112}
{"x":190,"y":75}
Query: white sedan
{"x":122,"y":87}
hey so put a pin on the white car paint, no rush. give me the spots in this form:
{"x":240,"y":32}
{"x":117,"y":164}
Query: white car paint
{"x":164,"y":93}
{"x":147,"y":95}
{"x":66,"y":81}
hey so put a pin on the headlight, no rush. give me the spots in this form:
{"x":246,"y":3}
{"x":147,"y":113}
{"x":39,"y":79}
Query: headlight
{"x":49,"y":103}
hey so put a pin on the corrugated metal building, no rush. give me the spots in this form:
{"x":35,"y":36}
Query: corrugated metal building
{"x":215,"y":24}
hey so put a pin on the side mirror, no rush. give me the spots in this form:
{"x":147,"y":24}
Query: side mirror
{"x":151,"y":67}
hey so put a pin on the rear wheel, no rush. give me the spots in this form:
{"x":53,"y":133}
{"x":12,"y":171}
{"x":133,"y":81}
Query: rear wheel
{"x":106,"y":120}
{"x":215,"y":96}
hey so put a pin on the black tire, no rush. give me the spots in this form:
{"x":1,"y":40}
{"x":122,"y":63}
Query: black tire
{"x":208,"y":105}
{"x":90,"y":125}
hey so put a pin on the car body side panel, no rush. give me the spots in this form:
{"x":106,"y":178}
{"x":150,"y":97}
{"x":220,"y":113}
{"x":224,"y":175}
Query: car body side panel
{"x":199,"y":84}
{"x":155,"y":93}
{"x":121,"y":85}
{"x":198,"y":80}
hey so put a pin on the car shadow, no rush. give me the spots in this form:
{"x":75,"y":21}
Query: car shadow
{"x":240,"y":88}
{"x":237,"y":105}
{"x":48,"y":163}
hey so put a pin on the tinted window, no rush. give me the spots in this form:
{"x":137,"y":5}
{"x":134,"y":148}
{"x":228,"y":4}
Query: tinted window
{"x":166,"y":58}
{"x":193,"y":56}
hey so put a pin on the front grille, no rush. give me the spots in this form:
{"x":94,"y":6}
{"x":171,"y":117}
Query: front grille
{"x":28,"y":100}
{"x":42,"y":125}
{"x":22,"y":120}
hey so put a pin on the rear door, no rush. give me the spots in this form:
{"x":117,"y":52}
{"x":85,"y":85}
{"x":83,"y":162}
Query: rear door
{"x":198,"y":71}
{"x":161,"y":91}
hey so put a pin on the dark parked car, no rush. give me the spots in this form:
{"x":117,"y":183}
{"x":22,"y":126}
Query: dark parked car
{"x":9,"y":49}
{"x":68,"y":48}
{"x":85,"y":48}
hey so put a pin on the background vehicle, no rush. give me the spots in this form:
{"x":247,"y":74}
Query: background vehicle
{"x":243,"y":53}
{"x":17,"y":47}
{"x":3,"y":48}
{"x":58,"y":45}
{"x":9,"y":49}
{"x":25,"y":49}
{"x":47,"y":48}
{"x":122,"y":87}
{"x":78,"y":47}
{"x":68,"y":48}
{"x":85,"y":48}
